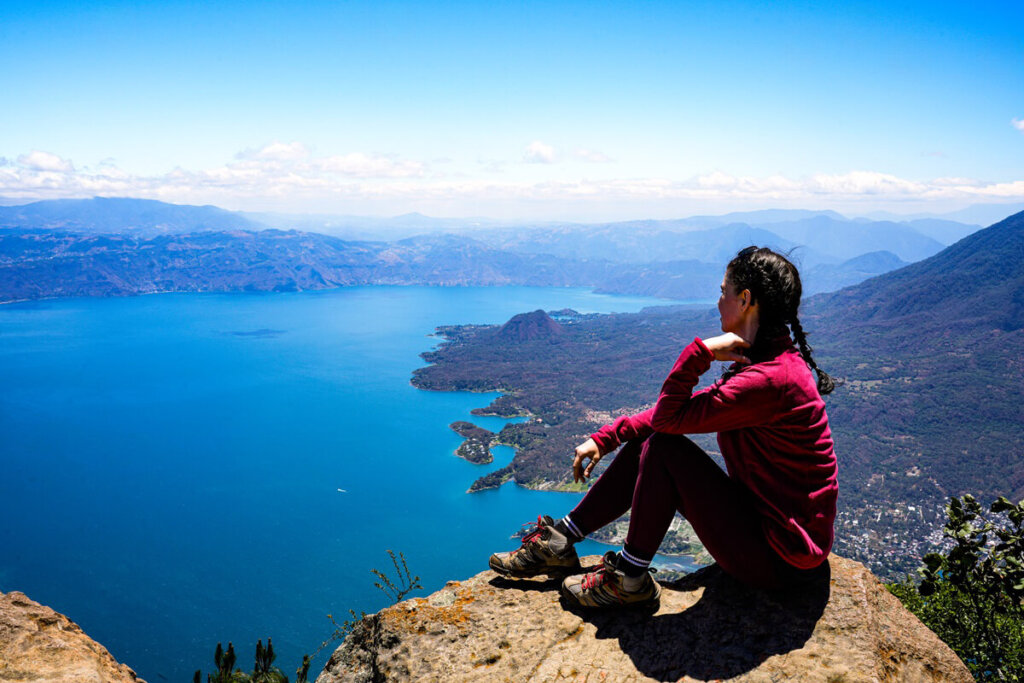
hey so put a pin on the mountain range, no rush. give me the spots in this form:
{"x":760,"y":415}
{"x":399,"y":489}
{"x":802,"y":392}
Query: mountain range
{"x":120,"y":246}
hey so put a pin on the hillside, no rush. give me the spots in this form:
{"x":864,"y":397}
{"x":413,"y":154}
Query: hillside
{"x":977,"y":282}
{"x":529,"y":326}
{"x":932,"y":404}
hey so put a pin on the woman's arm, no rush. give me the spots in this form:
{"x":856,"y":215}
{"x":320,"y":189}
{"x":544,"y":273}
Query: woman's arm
{"x":623,"y":429}
{"x":698,"y":356}
{"x":747,"y":398}
{"x":607,"y":439}
{"x":679,"y":411}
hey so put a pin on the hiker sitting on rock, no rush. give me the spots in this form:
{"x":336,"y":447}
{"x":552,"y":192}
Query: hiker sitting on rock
{"x":769,"y":521}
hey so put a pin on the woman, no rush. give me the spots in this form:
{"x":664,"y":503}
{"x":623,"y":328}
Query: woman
{"x":769,"y":521}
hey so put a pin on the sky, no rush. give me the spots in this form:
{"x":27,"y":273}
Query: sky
{"x":515,"y":110}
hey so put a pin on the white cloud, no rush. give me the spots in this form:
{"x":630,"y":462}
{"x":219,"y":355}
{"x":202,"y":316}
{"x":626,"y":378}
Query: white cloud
{"x":954,"y":182}
{"x":277,"y":170}
{"x":387,"y":181}
{"x":1019,"y":124}
{"x":44,"y":161}
{"x":276,"y":151}
{"x":362,"y":165}
{"x":539,"y":153}
{"x":863,"y":183}
{"x":592,"y":156}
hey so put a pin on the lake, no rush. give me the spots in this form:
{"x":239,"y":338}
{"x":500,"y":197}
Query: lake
{"x":180,"y":470}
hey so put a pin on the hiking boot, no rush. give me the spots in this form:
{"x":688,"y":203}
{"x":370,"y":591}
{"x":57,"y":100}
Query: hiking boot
{"x":536,"y":556}
{"x":605,"y":588}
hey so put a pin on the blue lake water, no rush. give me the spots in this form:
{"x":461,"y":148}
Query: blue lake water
{"x":170,"y":465}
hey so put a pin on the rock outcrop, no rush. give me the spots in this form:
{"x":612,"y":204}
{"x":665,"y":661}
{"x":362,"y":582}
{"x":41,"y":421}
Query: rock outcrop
{"x":40,"y":645}
{"x":846,"y":628}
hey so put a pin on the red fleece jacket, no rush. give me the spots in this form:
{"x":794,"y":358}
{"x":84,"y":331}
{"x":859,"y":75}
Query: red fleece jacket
{"x":773,"y":433}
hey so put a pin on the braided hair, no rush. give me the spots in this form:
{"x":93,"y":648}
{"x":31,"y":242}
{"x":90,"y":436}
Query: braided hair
{"x":774,"y":285}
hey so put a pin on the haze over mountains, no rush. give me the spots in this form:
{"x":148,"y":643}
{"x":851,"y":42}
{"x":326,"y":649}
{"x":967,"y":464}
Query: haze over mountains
{"x":119,"y":246}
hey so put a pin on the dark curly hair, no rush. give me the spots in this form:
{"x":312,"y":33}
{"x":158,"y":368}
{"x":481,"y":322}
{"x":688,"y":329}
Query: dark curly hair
{"x":774,"y":285}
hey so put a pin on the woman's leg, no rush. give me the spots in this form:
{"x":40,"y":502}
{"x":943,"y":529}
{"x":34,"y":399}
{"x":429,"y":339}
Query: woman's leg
{"x":547,"y":549}
{"x":612,"y":494}
{"x":675,"y":474}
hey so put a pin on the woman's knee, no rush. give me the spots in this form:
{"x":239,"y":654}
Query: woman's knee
{"x":658,"y":446}
{"x":631,"y":450}
{"x":681,"y":459}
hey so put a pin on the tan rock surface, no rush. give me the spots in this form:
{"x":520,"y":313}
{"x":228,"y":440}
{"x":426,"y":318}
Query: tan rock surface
{"x":845,"y":629}
{"x":40,"y":645}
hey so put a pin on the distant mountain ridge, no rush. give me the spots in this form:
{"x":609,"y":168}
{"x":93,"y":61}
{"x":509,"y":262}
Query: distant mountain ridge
{"x":121,"y":215}
{"x":845,"y":238}
{"x":38,"y":264}
{"x":51,"y":263}
{"x":975,"y":214}
{"x":630,"y":244}
{"x":68,"y":248}
{"x":828,"y":278}
{"x":47,"y":263}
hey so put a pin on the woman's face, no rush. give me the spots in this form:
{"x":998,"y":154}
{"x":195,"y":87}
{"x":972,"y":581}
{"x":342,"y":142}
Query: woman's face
{"x":730,"y":307}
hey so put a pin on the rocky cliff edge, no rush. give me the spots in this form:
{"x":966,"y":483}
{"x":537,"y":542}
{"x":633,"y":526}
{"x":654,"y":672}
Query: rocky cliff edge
{"x":40,"y":645}
{"x":846,"y":629}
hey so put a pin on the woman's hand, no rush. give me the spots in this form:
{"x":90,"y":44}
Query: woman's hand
{"x":727,"y":347}
{"x":587,"y":449}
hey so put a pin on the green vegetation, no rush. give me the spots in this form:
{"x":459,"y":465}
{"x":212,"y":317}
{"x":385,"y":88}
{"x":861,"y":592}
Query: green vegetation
{"x":406,"y":582}
{"x":265,"y":672}
{"x":492,"y":480}
{"x":972,"y":595}
{"x":477,"y":445}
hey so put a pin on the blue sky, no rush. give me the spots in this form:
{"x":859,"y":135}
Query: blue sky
{"x":588,"y":111}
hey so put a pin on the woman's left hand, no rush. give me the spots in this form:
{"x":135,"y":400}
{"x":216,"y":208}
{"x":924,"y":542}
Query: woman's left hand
{"x":727,"y":347}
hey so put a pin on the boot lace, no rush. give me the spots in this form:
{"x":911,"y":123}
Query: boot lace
{"x":527,"y":552}
{"x":602,"y":577}
{"x":535,"y":533}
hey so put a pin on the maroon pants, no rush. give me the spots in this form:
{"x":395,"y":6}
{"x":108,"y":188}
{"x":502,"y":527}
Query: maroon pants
{"x":664,"y":473}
